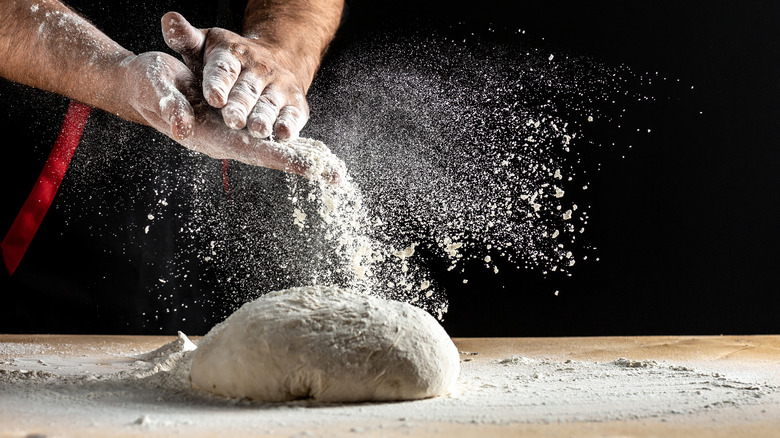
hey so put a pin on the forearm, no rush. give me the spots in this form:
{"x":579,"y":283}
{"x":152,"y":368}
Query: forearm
{"x":46,"y":45}
{"x":298,"y":30}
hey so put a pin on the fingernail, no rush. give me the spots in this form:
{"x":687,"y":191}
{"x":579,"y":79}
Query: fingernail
{"x":283,"y":131}
{"x":234,"y":116}
{"x":216,"y":97}
{"x":260,"y":129}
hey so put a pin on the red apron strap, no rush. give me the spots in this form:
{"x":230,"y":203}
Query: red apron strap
{"x":15,"y":243}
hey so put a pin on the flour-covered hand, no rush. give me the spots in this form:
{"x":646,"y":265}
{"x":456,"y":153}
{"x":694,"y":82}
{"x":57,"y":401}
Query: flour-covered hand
{"x":154,"y":84}
{"x":253,"y":84}
{"x":163,"y":91}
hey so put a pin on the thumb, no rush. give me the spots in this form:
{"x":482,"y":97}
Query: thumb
{"x":179,"y":115}
{"x":185,"y":39}
{"x":175,"y":108}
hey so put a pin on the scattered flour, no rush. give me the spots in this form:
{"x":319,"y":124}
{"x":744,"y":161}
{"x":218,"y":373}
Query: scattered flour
{"x":451,"y":146}
{"x":128,"y":391}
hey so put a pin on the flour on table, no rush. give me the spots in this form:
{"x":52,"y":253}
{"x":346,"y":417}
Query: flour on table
{"x":327,"y":344}
{"x":46,"y":389}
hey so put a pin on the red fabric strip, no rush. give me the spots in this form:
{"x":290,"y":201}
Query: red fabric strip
{"x":26,"y":224}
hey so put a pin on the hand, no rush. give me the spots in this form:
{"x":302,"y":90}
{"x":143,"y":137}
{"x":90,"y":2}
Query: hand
{"x":254,"y":85}
{"x":162,"y":90}
{"x":154,"y":84}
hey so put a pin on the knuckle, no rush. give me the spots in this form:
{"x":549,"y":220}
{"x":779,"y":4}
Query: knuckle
{"x":222,"y":65}
{"x":262,"y":68}
{"x":264,"y":100}
{"x":238,"y":49}
{"x":292,"y":114}
{"x":253,"y":88}
{"x":246,"y":88}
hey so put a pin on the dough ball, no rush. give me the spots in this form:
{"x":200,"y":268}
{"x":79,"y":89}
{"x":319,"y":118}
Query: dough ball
{"x":327,"y":344}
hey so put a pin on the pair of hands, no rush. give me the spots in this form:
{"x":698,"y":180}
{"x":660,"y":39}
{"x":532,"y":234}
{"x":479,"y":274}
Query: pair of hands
{"x":229,"y":98}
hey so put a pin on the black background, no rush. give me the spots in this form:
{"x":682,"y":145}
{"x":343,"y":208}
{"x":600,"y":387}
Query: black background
{"x":684,"y":225}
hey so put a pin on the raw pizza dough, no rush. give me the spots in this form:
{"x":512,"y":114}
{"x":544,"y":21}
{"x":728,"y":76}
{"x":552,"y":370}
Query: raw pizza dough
{"x":327,"y":344}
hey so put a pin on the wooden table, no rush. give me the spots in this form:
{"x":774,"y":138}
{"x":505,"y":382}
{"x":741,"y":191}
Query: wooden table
{"x":756,"y":356}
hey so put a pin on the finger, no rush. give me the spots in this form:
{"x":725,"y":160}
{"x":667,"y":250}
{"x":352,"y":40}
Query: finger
{"x":265,"y":113}
{"x":241,"y":100}
{"x":185,"y":39}
{"x":177,"y":112}
{"x":219,"y":74}
{"x":290,"y":122}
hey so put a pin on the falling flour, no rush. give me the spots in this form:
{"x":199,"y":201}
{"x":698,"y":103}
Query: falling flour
{"x":459,"y":150}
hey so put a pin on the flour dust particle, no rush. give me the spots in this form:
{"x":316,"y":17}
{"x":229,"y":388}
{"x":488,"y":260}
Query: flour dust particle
{"x":470,"y":150}
{"x":457,"y":151}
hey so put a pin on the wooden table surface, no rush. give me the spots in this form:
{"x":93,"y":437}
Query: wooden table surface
{"x":754,"y":355}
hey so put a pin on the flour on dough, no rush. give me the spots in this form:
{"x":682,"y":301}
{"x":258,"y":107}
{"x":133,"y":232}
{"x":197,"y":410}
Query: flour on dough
{"x":327,"y":344}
